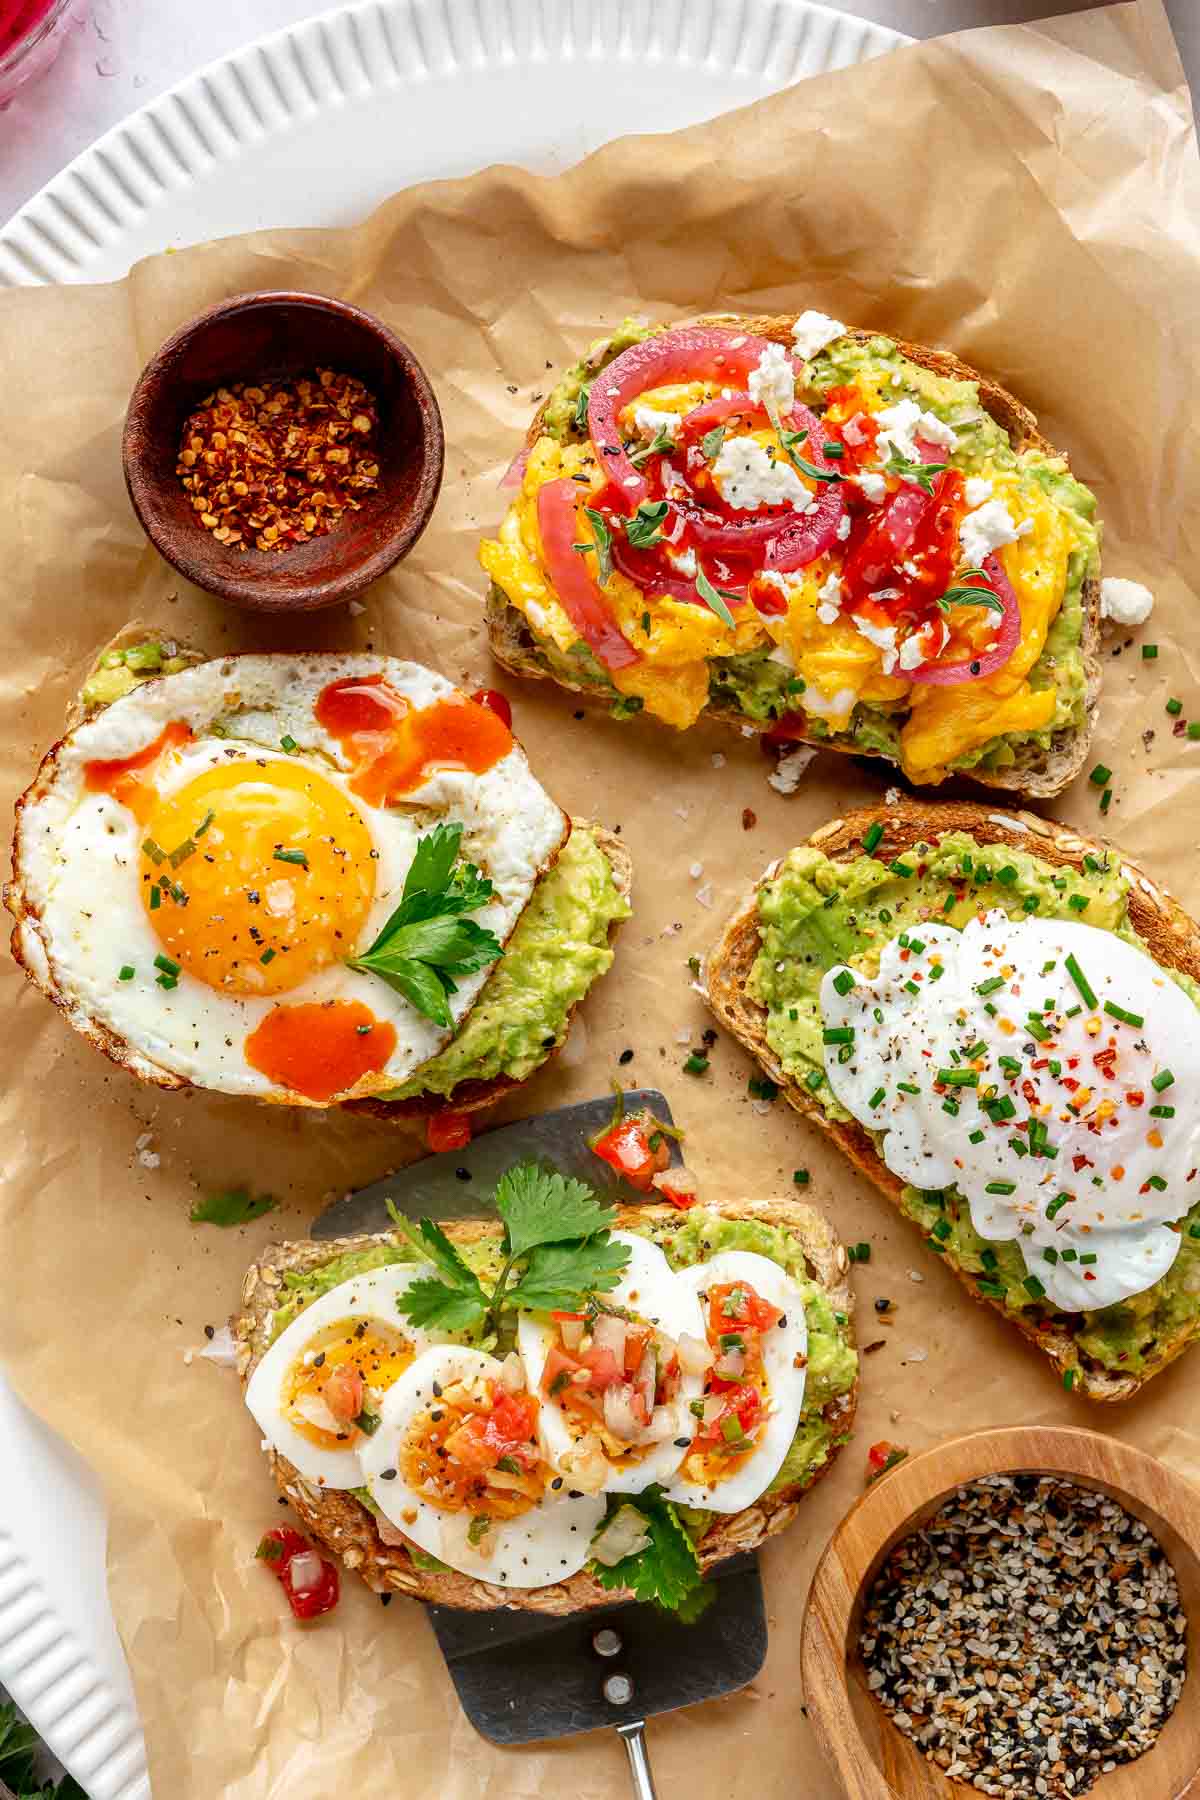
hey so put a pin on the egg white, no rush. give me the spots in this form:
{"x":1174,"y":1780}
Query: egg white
{"x":371,"y":1296}
{"x":785,"y":1350}
{"x":1126,"y":1231}
{"x":77,"y":881}
{"x":549,"y":1543}
{"x":651,"y":1289}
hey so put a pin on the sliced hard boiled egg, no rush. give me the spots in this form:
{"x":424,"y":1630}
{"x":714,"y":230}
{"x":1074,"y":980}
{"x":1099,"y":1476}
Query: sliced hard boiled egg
{"x":456,"y":1467}
{"x":616,"y":1411}
{"x":726,"y":1476}
{"x":332,"y":1365}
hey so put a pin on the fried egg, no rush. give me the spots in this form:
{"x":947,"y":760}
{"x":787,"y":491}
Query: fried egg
{"x":704,"y":1481}
{"x":1050,"y":1073}
{"x":195,"y":865}
{"x":350,"y":1344}
{"x":652,"y":1294}
{"x":547,"y":1540}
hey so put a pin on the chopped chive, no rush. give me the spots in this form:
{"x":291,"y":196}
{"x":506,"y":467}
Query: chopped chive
{"x":990,"y":986}
{"x":1036,"y":1029}
{"x":1118,"y":1012}
{"x":1078,"y":902}
{"x":838,"y":1034}
{"x":1100,"y":775}
{"x":952,"y":1107}
{"x":1030,"y":903}
{"x":1174,"y":707}
{"x":885,"y":917}
{"x":995,"y":1290}
{"x":871,"y":836}
{"x":155,"y":899}
{"x":916,"y":946}
{"x":181,"y":852}
{"x":695,"y":1064}
{"x":801,"y":1177}
{"x":976,"y":1050}
{"x":988,"y":1258}
{"x":287,"y":742}
{"x":126,"y":972}
{"x":1072,"y":1012}
{"x":1069,"y":1379}
{"x":814,"y":1079}
{"x":1193,"y":729}
{"x":1010,"y":1065}
{"x":1157,"y":1183}
{"x":292,"y":856}
{"x":166,"y":965}
{"x":1149,"y":652}
{"x":1194,"y":1231}
{"x":948,"y":904}
{"x":1033,"y":1287}
{"x":907,"y":1087}
{"x":941,"y":1230}
{"x":1090,"y":863}
{"x":843,"y":981}
{"x":958,"y":1077}
{"x":964,"y":862}
{"x":1070,"y":1256}
{"x":912,"y":987}
{"x":1007,"y":875}
{"x":168,"y":982}
{"x":1106,"y":796}
{"x":154,"y":851}
{"x":1081,"y":982}
{"x":366,"y":1030}
{"x":877,"y":1098}
{"x":1000,"y":1187}
{"x":204,"y":824}
{"x":937,"y":971}
{"x":837,"y":451}
{"x":977,"y":1137}
{"x":1050,"y":1254}
{"x":900,"y":868}
{"x":267,"y":956}
{"x":1162,"y":1112}
{"x":1018,"y":1146}
{"x":1163,"y":1080}
{"x":1089,"y":1258}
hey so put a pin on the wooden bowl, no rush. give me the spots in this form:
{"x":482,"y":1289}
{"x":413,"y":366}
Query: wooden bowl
{"x":272,"y":336}
{"x":871,"y":1756}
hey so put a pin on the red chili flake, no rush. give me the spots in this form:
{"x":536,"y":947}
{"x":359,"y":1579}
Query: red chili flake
{"x":1134,"y":1097}
{"x":1030,"y":1091}
{"x":1105,"y":1061}
{"x":1040,"y":1062}
{"x":1072,"y":1062}
{"x":1088,"y":1276}
{"x":1070,"y":1083}
{"x":1079,"y":1161}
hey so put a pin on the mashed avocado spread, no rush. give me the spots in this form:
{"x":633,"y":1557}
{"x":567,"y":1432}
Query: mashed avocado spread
{"x":686,"y":1238}
{"x":756,"y":682}
{"x":816,"y":913}
{"x":559,"y":948}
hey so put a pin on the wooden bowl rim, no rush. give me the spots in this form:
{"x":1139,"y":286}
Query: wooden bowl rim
{"x":255,"y":587}
{"x":853,"y":1553}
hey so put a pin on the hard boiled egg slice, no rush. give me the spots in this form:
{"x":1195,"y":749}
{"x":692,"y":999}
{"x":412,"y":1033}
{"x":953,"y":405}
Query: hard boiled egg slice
{"x":432,"y":1470}
{"x":725,"y":1477}
{"x":350,"y":1345}
{"x":597,"y":1430}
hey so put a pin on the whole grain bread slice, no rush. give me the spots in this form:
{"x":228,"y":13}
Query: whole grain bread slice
{"x":352,"y":1532}
{"x":1167,"y":932}
{"x":475,"y":1096}
{"x":1034,"y":772}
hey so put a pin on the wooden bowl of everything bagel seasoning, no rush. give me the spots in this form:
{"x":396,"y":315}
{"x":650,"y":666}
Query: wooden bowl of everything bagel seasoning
{"x":283,"y":450}
{"x":1016,"y":1612}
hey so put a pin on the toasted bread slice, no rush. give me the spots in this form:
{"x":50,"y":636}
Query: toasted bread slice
{"x":475,"y":1096}
{"x":1034,"y":772}
{"x":1168,"y":934}
{"x":351,"y":1531}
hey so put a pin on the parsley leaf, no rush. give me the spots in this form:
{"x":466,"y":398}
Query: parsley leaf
{"x":714,"y":597}
{"x":454,"y":1298}
{"x":580,"y":417}
{"x":559,"y":1277}
{"x":710,"y":443}
{"x":234,"y":1207}
{"x":661,"y":442}
{"x":920,"y":472}
{"x":645,"y":528}
{"x":427,"y":942}
{"x":667,"y":1571}
{"x":789,"y":440}
{"x":540,"y":1206}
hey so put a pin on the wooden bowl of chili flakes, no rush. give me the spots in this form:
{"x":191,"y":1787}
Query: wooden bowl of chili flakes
{"x":283,"y":450}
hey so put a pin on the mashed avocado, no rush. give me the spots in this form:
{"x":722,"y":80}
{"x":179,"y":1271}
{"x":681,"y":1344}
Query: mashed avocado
{"x":686,"y":1238}
{"x":118,"y":672}
{"x":817,"y":913}
{"x":754,"y":681}
{"x":559,"y":948}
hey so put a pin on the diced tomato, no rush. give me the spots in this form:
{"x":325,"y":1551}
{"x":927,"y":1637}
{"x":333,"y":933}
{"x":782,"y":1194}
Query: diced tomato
{"x":558,"y":1317}
{"x":448,"y":1131}
{"x":736,"y":1306}
{"x":741,"y":1402}
{"x":627,"y":1149}
{"x":481,"y":1441}
{"x":495,"y":702}
{"x":603,"y":1368}
{"x":677,"y":1186}
{"x":883,"y":1456}
{"x":344,"y":1393}
{"x":279,"y":1549}
{"x":635,"y":1349}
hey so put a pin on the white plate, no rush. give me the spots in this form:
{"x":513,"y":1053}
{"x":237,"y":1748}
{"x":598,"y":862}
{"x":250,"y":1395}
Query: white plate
{"x":314,"y":126}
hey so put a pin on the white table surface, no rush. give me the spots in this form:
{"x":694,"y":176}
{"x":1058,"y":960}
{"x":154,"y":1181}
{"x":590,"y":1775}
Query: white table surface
{"x":122,"y":53}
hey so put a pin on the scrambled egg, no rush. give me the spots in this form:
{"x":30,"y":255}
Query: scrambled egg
{"x":837,"y":664}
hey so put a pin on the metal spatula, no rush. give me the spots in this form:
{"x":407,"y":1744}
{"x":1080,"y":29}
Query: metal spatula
{"x":522,"y":1677}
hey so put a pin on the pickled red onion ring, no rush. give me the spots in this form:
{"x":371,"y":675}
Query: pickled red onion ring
{"x":581,"y":597}
{"x":514,"y":475}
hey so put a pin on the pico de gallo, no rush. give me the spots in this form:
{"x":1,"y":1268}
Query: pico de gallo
{"x":838,"y":542}
{"x":733,"y":1412}
{"x":475,"y":1450}
{"x":615,"y":1376}
{"x":638,"y":1147}
{"x":308,"y":1579}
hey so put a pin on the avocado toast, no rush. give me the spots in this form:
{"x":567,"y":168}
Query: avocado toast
{"x":864,"y":878}
{"x":292,"y":1277}
{"x":812,"y":661}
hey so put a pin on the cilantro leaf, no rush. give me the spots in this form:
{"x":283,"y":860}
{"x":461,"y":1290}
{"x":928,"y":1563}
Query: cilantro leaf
{"x":921,"y":473}
{"x":715,"y":597}
{"x":233,"y":1207}
{"x":540,"y":1206}
{"x":454,"y":1299}
{"x":667,"y":1571}
{"x":427,"y":942}
{"x":561,"y":1276}
{"x":644,"y":529}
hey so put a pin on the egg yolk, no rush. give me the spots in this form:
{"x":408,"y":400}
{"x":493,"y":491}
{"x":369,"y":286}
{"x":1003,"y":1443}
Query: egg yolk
{"x":394,"y":747}
{"x":367,"y":1349}
{"x":256,"y":875}
{"x":320,"y":1048}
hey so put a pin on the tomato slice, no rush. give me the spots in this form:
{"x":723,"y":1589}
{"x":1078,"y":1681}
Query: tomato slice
{"x":626,"y":1148}
{"x":343,"y":1393}
{"x":483,"y":1439}
{"x":582,"y":599}
{"x":448,"y":1131}
{"x":736,"y":1306}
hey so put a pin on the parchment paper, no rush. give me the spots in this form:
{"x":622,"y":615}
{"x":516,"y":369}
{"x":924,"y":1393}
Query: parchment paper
{"x":1030,"y":196}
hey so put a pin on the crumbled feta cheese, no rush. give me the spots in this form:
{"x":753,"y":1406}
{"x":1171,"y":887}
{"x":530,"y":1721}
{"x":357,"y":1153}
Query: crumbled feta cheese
{"x":936,"y":431}
{"x":684,"y":561}
{"x":977,"y":489}
{"x":844,"y":526}
{"x":356,"y":608}
{"x":985,"y":529}
{"x":872,"y":485}
{"x":1125,"y":602}
{"x":813,"y":330}
{"x":831,"y":588}
{"x":827,"y":614}
{"x":772,"y":381}
{"x":683,"y":812}
{"x":696,"y":871}
{"x":749,"y":477}
{"x":883,"y":635}
{"x":785,"y":776}
{"x":915,"y":650}
{"x":704,"y":895}
{"x":650,"y":421}
{"x":840,"y":706}
{"x":901,"y":425}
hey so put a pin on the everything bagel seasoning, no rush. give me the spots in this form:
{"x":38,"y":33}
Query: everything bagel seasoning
{"x":1028,"y":1638}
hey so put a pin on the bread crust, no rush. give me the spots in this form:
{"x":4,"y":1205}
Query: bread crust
{"x":346,"y":1527}
{"x":1168,"y":934}
{"x":1035,"y":773}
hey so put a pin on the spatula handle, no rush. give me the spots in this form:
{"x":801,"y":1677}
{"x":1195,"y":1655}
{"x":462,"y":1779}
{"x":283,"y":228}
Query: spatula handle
{"x":634,"y":1735}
